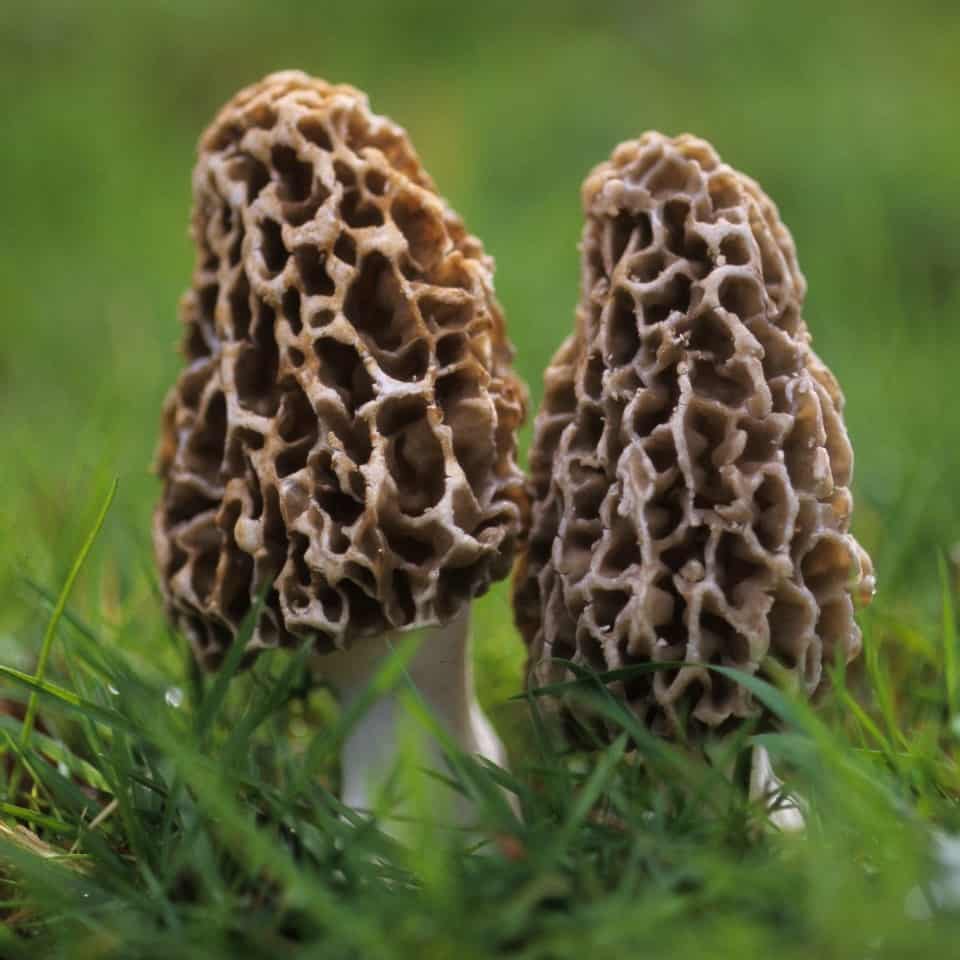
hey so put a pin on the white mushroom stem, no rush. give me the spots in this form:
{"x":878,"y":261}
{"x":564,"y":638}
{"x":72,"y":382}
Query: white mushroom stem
{"x":784,"y":811}
{"x":442,"y":671}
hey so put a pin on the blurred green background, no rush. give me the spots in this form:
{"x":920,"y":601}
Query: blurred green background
{"x":845,"y":112}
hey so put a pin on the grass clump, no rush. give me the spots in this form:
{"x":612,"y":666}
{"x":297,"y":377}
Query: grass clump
{"x":153,"y":811}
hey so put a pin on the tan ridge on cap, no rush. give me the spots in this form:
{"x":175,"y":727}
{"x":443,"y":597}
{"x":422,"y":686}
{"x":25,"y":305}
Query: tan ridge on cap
{"x":690,"y":468}
{"x":344,"y":426}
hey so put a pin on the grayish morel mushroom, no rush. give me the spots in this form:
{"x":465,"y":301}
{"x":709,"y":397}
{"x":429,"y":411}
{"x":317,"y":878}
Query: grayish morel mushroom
{"x":690,"y":466}
{"x":342,"y":435}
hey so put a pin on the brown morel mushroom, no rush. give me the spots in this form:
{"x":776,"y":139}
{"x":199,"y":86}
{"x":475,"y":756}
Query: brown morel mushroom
{"x":690,"y":466}
{"x":342,"y":435}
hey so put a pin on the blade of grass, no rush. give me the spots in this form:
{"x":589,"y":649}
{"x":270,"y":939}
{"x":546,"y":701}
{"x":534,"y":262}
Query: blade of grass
{"x":20,"y":755}
{"x":785,"y":707}
{"x":949,"y":640}
{"x":607,"y":676}
{"x":473,"y":777}
{"x":57,"y":752}
{"x":47,"y":644}
{"x":880,"y":680}
{"x":68,"y":699}
{"x":37,"y":819}
{"x":49,"y":603}
{"x":238,"y":827}
{"x":276,"y":696}
{"x":590,"y":792}
{"x":388,"y":674}
{"x":218,"y":691}
{"x":233,"y":749}
{"x":581,"y":805}
{"x":865,"y":721}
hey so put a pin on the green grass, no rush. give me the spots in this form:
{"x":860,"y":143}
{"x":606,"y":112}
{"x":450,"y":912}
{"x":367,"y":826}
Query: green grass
{"x":219,"y":833}
{"x":200,"y":821}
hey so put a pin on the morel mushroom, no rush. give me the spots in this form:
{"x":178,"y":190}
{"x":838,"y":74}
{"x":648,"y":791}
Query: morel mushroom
{"x":342,"y":436}
{"x":690,"y":466}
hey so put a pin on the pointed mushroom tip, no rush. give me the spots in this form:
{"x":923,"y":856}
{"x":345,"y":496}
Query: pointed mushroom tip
{"x":287,"y":75}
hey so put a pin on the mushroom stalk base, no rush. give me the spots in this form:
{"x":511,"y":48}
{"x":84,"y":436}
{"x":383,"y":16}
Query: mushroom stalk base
{"x":442,"y":671}
{"x":784,"y":811}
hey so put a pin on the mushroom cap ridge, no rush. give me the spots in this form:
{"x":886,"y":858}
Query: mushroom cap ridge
{"x":690,"y":467}
{"x":343,"y":433}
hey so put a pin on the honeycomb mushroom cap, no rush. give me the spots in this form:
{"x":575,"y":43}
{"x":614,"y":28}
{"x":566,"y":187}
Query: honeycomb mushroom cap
{"x":690,"y":468}
{"x":342,"y":435}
